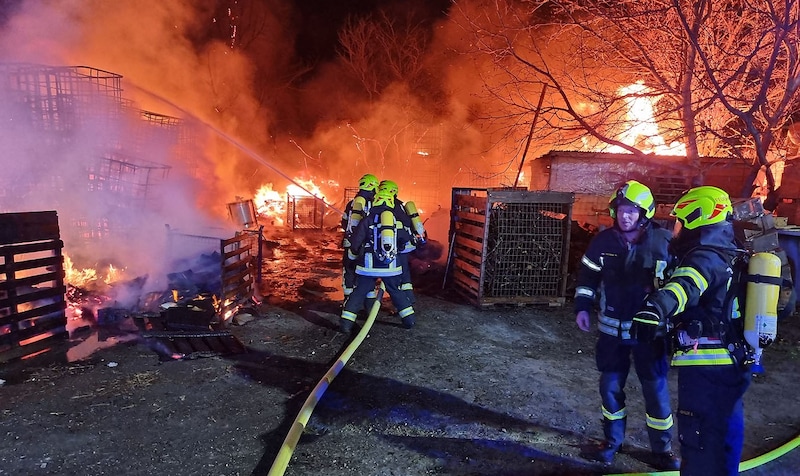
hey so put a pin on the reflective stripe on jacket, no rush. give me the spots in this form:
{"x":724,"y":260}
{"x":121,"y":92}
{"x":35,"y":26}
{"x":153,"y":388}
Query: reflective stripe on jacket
{"x":617,"y":276}
{"x":697,"y":291}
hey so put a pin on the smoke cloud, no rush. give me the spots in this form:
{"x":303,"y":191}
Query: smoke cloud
{"x":257,"y":110}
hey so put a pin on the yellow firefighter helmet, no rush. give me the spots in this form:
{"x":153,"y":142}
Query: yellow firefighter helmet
{"x":383,"y":197}
{"x":389,"y":186}
{"x":368,"y":182}
{"x":703,"y":206}
{"x":634,"y":193}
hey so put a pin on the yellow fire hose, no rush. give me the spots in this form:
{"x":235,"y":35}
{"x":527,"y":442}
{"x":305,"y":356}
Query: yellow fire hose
{"x":299,"y":425}
{"x":744,"y":465}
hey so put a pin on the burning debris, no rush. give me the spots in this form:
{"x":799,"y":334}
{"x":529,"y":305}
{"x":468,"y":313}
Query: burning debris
{"x":184,"y":317}
{"x":183,"y":321}
{"x":303,"y":206}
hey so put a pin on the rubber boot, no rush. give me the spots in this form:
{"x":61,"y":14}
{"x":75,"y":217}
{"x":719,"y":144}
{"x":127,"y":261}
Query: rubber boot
{"x":614,"y":431}
{"x":345,"y":325}
{"x":409,"y":321}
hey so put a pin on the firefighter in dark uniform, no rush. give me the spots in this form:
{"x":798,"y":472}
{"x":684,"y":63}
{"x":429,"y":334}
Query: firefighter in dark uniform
{"x":621,"y":266}
{"x":696,"y":306}
{"x":375,"y":244}
{"x":417,"y":239}
{"x":354,"y":212}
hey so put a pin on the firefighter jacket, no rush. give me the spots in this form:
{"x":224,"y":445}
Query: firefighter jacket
{"x":618,"y":276}
{"x":697,"y":292}
{"x":365,"y":250}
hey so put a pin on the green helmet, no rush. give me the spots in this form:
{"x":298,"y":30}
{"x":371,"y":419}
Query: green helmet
{"x":368,"y":182}
{"x":383,"y":197}
{"x":634,"y":193}
{"x":703,"y":206}
{"x":388,"y":185}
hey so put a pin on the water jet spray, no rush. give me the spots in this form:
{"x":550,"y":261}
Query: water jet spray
{"x":251,"y":153}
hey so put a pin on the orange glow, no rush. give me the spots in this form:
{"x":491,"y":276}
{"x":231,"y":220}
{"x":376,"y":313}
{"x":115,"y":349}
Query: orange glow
{"x":272,"y":204}
{"x":310,"y":189}
{"x":82,"y":278}
{"x":639,"y":127}
{"x":75,"y":277}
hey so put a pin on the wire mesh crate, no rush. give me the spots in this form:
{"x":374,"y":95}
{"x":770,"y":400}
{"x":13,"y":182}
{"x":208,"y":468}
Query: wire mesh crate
{"x":58,"y":98}
{"x":510,"y":246}
{"x":127,"y":180}
{"x":229,"y":268}
{"x":304,"y":212}
{"x":349,"y":194}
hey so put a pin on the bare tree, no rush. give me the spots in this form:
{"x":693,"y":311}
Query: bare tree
{"x":380,"y":49}
{"x":720,"y":77}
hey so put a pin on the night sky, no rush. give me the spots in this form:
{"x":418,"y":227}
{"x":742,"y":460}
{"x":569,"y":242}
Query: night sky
{"x":320,"y":19}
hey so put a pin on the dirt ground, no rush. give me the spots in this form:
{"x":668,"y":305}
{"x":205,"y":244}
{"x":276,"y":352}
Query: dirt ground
{"x":499,"y":391}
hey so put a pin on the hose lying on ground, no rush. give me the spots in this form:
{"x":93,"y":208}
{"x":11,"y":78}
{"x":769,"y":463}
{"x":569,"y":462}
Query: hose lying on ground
{"x":299,"y":425}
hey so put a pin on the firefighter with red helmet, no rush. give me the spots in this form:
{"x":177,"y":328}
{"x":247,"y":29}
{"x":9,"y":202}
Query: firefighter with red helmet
{"x":705,"y":321}
{"x":621,"y":266}
{"x":374,"y":245}
{"x":354,"y":212}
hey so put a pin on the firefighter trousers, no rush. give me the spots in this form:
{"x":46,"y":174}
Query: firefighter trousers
{"x":366,"y":284}
{"x":711,"y":418}
{"x":348,"y":273}
{"x":650,"y":361}
{"x":406,"y":285}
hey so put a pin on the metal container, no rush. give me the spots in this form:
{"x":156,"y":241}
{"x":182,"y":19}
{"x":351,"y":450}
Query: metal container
{"x":243,"y":213}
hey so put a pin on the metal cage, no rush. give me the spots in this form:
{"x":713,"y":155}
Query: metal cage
{"x":510,"y":246}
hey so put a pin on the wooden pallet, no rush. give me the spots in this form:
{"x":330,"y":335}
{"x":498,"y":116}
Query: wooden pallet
{"x":32,"y":301}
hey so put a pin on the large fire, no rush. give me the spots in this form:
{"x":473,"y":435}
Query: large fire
{"x":639,"y":127}
{"x":272,"y":204}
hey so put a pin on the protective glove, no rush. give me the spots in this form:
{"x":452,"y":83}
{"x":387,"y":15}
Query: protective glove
{"x":648,"y":325}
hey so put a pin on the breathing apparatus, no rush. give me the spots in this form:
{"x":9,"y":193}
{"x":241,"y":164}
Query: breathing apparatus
{"x":386,"y":229}
{"x":761,"y":304}
{"x":358,"y":212}
{"x":416,"y":223}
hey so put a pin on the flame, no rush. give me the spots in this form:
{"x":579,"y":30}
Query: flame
{"x":82,"y":278}
{"x":75,"y":277}
{"x":639,"y":125}
{"x":113,"y":274}
{"x":310,"y":189}
{"x":272,"y":204}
